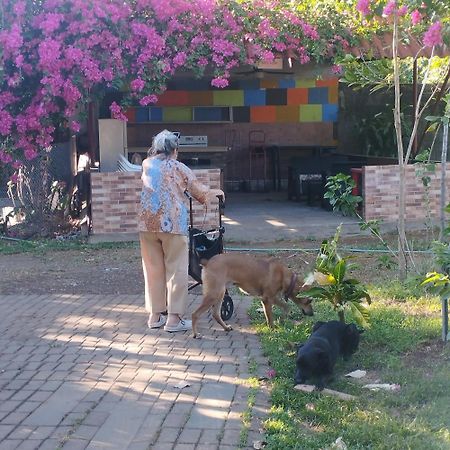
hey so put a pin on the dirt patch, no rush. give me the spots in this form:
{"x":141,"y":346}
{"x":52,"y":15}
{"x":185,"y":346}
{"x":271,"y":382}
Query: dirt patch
{"x":116,"y":269}
{"x":91,"y":271}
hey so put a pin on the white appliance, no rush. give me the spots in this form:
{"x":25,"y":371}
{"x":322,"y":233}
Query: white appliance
{"x":193,"y":141}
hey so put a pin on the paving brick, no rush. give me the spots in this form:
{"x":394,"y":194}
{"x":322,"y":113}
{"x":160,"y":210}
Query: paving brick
{"x":76,"y":444}
{"x":121,"y":426}
{"x":86,"y":432}
{"x":184,"y":447}
{"x":112,"y":384}
{"x":9,"y":444}
{"x":20,"y":432}
{"x":29,"y":445}
{"x":5,"y":430}
{"x":50,"y":444}
{"x":189,"y":436}
{"x":168,"y":434}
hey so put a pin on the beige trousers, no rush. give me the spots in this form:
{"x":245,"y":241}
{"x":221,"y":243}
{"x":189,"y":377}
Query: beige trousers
{"x":165,"y":259}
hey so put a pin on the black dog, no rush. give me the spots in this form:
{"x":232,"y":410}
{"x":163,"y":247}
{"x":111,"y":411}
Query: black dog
{"x":317,"y":356}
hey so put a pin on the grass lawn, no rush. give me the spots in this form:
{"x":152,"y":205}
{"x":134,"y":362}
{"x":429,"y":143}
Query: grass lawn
{"x":402,"y":346}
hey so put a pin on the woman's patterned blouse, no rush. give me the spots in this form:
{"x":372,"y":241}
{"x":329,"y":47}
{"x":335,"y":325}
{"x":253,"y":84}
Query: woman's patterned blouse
{"x":163,"y":199}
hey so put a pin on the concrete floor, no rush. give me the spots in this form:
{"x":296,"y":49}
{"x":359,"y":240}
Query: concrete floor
{"x":269,"y":217}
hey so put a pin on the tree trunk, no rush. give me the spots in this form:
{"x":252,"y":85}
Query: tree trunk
{"x":401,"y":162}
{"x":443,"y":187}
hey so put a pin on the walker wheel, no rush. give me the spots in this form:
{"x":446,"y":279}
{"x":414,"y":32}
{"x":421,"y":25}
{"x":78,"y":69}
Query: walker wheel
{"x":227,"y":308}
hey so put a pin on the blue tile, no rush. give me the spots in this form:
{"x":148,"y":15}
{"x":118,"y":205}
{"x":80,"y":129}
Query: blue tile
{"x":156,"y":114}
{"x":330,"y":113}
{"x":286,"y":83}
{"x":142,"y":115}
{"x":208,"y":114}
{"x":254,"y":97}
{"x":318,"y":96}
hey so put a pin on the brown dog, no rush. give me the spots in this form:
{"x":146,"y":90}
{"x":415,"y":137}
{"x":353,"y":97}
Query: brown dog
{"x":263,"y":277}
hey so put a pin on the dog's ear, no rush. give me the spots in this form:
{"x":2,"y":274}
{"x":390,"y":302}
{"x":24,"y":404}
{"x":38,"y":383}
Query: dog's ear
{"x":317,"y":325}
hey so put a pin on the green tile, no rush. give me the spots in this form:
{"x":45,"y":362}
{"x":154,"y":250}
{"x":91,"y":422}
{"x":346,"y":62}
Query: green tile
{"x":310,"y":113}
{"x":177,"y":114}
{"x":228,"y":98}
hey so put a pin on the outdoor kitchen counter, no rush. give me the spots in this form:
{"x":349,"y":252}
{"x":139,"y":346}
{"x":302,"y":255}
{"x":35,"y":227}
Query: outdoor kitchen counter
{"x":184,"y":149}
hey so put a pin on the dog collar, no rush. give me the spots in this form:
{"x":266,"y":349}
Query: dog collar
{"x":290,"y":289}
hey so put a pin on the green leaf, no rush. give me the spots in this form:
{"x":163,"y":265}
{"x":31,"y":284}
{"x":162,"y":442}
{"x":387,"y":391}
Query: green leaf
{"x":434,"y":278}
{"x":361,"y":314}
{"x":314,"y":292}
{"x":432,"y":118}
{"x":339,"y":270}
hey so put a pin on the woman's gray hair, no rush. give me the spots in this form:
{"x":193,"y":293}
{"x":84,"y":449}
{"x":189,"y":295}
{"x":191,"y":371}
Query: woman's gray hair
{"x":165,"y":143}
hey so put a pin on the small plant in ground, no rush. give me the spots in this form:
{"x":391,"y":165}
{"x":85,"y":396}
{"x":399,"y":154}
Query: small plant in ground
{"x":343,"y":293}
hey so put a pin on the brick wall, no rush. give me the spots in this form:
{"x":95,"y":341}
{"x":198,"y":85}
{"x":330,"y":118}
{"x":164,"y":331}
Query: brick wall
{"x":380,"y":187}
{"x":115,"y":201}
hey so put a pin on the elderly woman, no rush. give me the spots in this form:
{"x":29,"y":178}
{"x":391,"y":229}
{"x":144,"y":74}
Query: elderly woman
{"x":163,"y":227}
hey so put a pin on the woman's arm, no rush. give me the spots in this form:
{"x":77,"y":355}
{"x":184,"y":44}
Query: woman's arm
{"x":200,"y":191}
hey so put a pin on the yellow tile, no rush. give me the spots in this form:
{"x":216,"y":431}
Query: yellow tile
{"x":310,"y":113}
{"x":305,"y":83}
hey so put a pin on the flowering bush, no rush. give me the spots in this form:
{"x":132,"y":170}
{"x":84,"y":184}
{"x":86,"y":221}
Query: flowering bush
{"x":57,"y":55}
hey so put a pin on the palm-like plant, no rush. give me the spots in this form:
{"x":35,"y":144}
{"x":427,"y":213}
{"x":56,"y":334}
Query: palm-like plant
{"x":331,"y":284}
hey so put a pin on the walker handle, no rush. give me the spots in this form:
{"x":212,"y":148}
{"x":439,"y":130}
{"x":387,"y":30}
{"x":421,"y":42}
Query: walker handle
{"x":221,"y":208}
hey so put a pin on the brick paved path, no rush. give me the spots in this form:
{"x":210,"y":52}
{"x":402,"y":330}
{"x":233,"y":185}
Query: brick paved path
{"x":83,"y":372}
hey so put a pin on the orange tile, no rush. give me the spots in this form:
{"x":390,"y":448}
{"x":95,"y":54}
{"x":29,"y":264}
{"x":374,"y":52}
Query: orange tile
{"x":327,"y":82}
{"x":268,"y":84}
{"x":173,"y":98}
{"x":200,"y":98}
{"x":263,"y":114}
{"x":130,"y":114}
{"x":287,"y":114}
{"x":297,"y":96}
{"x":333,"y":94}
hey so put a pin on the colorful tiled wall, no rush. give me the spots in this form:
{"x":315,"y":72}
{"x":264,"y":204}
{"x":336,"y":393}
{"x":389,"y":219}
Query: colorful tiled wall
{"x":245,"y":101}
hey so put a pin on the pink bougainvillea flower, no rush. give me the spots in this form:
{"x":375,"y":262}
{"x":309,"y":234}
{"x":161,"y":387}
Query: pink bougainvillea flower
{"x":5,"y":157}
{"x":390,"y":8}
{"x":433,"y":36}
{"x":144,"y":101}
{"x":137,"y":85}
{"x":14,"y":178}
{"x":6,"y":122}
{"x":30,"y":153}
{"x":363,"y":6}
{"x":75,"y":126}
{"x":403,"y":10}
{"x":219,"y":82}
{"x":271,"y":373}
{"x":179,"y":59}
{"x":117,"y":113}
{"x":337,"y":69}
{"x":416,"y":17}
